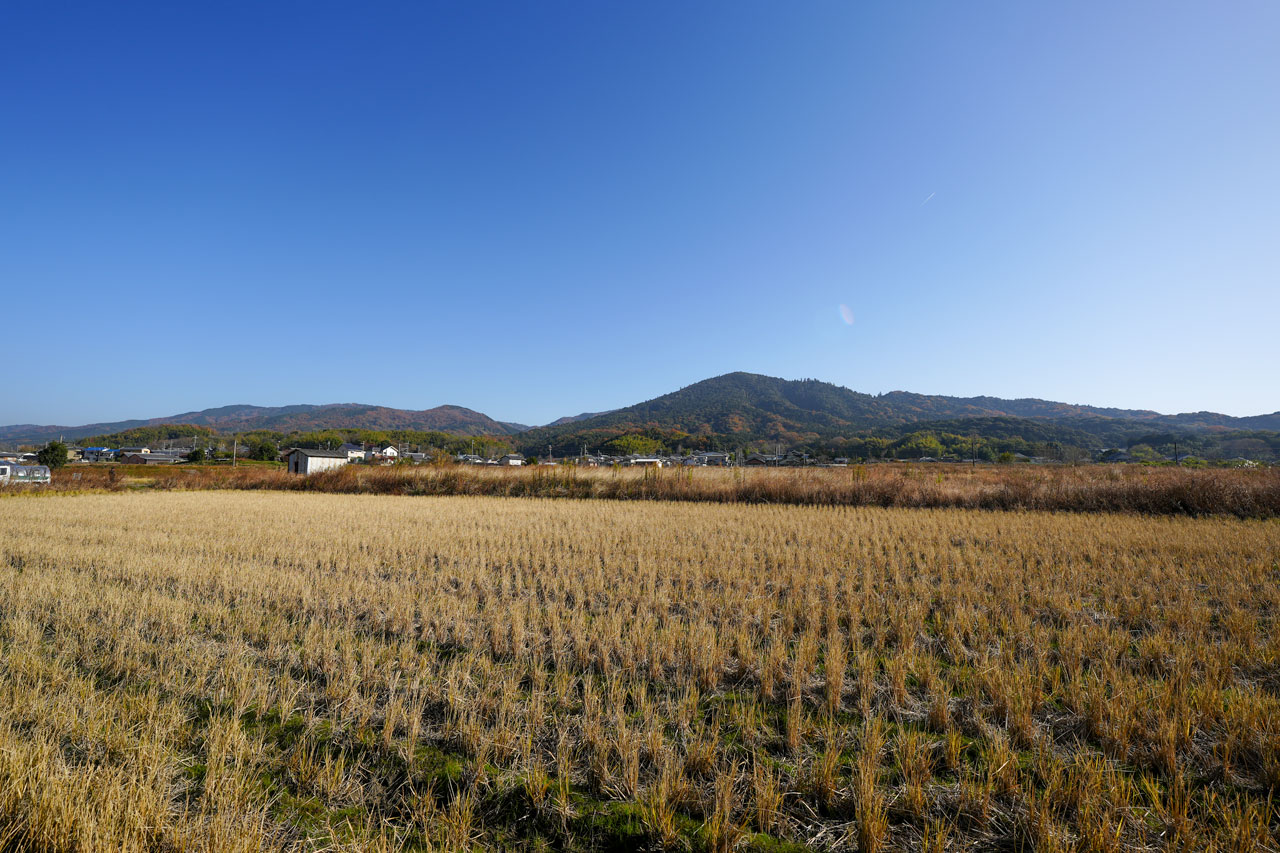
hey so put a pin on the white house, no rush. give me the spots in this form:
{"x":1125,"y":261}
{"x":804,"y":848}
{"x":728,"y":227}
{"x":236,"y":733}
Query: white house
{"x":511,"y":459}
{"x":353,"y":451}
{"x":303,"y":461}
{"x":390,"y":451}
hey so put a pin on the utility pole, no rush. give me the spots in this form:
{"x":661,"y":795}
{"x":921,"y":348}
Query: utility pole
{"x":235,"y":445}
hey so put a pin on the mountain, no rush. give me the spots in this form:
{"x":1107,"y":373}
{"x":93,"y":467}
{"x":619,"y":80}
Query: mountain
{"x":752,"y":406}
{"x":296,"y":418}
{"x":735,"y":408}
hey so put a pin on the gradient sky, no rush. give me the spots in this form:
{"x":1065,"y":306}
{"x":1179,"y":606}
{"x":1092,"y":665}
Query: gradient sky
{"x":535,"y":209}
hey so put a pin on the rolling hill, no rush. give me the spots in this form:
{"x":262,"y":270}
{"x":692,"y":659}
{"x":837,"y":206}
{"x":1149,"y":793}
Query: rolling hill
{"x":296,"y":418}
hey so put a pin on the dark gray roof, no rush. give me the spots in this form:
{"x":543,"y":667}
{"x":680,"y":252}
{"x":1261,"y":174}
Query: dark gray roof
{"x":328,"y":454}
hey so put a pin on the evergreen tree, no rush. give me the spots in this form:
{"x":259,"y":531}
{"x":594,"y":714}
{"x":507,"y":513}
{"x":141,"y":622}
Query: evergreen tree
{"x":53,"y":454}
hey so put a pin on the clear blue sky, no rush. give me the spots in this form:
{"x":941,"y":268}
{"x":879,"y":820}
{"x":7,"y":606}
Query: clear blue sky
{"x":535,"y":209}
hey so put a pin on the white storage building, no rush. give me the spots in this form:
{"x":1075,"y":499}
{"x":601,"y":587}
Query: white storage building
{"x":304,"y":461}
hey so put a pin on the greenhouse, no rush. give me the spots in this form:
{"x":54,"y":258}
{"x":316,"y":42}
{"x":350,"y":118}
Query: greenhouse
{"x":12,"y":474}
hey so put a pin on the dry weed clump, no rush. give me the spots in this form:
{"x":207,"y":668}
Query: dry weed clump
{"x":247,"y":671}
{"x":1246,"y":493}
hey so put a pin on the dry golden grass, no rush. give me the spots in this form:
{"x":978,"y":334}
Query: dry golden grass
{"x":267,"y":670}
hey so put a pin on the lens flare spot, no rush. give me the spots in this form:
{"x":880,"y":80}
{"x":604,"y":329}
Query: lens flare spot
{"x":846,"y":314}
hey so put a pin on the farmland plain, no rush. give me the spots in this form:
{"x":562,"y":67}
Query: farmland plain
{"x":244,"y":670}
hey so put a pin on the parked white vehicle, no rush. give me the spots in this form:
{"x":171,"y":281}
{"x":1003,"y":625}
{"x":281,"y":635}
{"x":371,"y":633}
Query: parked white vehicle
{"x":14,"y":474}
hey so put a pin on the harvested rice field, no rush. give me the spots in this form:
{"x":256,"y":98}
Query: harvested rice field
{"x":245,"y":670}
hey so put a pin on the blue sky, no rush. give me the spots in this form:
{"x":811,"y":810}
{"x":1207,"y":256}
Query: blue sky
{"x":535,"y":209}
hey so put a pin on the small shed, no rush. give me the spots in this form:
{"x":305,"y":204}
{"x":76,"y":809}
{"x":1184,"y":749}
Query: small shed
{"x":305,"y":461}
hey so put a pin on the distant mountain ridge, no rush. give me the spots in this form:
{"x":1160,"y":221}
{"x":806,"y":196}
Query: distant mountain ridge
{"x":296,"y":418}
{"x":1031,"y":407}
{"x":743,"y":404}
{"x":569,"y":419}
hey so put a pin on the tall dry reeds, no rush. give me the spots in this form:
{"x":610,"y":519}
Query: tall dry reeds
{"x":1245,"y":493}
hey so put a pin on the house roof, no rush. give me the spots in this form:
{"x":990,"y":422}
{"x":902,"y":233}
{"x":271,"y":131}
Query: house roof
{"x":327,"y":454}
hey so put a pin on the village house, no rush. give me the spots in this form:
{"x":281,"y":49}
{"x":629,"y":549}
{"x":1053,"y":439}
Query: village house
{"x":762,"y":459}
{"x":148,"y":458}
{"x":306,"y":461}
{"x":354,"y":451}
{"x":714,"y":458}
{"x":511,"y":459}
